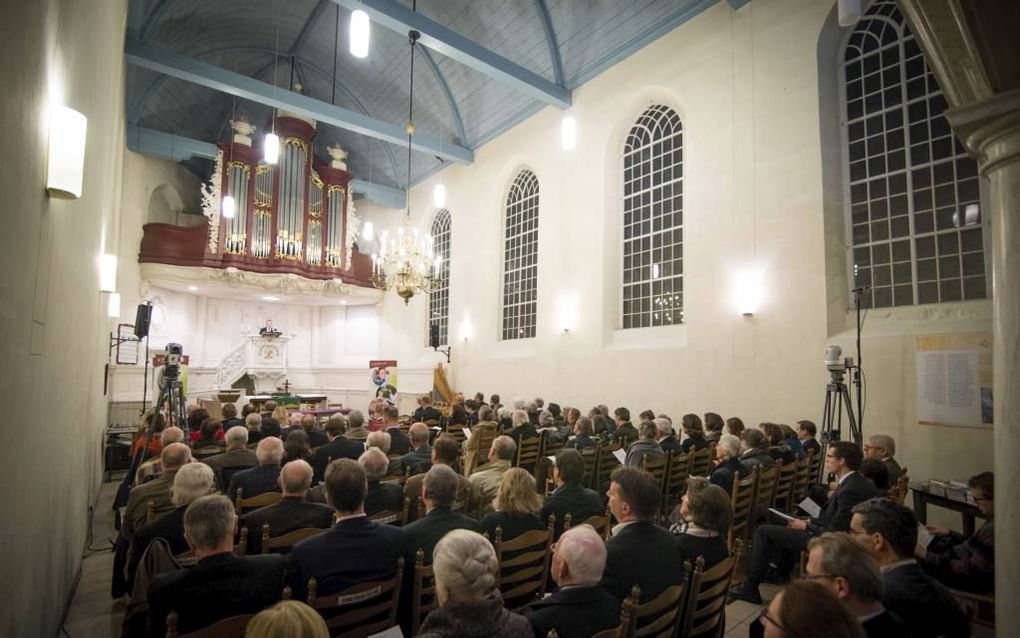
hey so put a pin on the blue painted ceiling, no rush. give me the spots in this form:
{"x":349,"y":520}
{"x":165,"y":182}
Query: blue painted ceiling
{"x":293,"y":40}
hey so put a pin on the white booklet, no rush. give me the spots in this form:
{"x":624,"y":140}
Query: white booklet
{"x":552,"y":459}
{"x":924,"y":537}
{"x":810,"y":507}
{"x":467,"y":433}
{"x":621,"y":456}
{"x":782,"y":515}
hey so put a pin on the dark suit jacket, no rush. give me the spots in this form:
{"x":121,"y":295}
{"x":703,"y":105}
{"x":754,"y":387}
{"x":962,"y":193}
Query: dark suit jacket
{"x":725,"y":472}
{"x":426,"y":414}
{"x":575,"y":612}
{"x":923,"y":603}
{"x":642,"y":554}
{"x":885,"y":625}
{"x":627,"y":433}
{"x":229,"y":423}
{"x":257,"y":480}
{"x":419,"y":460}
{"x":524,"y":431}
{"x":399,"y":443}
{"x":580,"y":442}
{"x":384,"y":497}
{"x":316,"y":437}
{"x":511,"y":525}
{"x":353,"y":551}
{"x":895,"y":471}
{"x":574,"y":499}
{"x":670,"y":444}
{"x":170,"y":528}
{"x":836,"y":515}
{"x":291,"y":513}
{"x":270,"y":427}
{"x":712,"y":548}
{"x":339,"y":448}
{"x":811,"y":446}
{"x":426,"y":532}
{"x":696,"y":441}
{"x":217,"y":587}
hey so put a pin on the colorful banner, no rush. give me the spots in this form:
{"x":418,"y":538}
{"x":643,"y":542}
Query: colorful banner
{"x":383,"y":377}
{"x":954,"y":380}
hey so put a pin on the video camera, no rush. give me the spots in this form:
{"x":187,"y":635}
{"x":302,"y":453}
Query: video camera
{"x":172,"y":363}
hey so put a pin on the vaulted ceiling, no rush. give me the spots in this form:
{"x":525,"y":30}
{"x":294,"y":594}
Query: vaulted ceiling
{"x":561,"y":43}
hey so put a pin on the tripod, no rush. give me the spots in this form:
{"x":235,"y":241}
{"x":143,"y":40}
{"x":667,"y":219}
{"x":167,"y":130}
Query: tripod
{"x":837,"y":399}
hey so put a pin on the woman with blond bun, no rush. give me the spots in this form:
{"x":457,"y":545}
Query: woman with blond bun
{"x":470,"y":605}
{"x":287,"y":619}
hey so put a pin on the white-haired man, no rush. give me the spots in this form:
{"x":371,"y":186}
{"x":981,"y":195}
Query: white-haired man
{"x":381,"y":496}
{"x":727,"y":450}
{"x":262,"y":478}
{"x":292,"y":512}
{"x":419,"y":459}
{"x":190,"y":482}
{"x":237,"y":456}
{"x":882,"y":447}
{"x":579,"y":607}
{"x":254,"y":424}
{"x":157,"y":491}
{"x":523,"y":428}
{"x":666,"y":437}
{"x":486,"y":481}
{"x":220,"y":584}
{"x":153,"y":467}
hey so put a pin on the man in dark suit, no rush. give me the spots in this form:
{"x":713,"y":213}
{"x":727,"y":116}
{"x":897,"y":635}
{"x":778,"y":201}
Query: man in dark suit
{"x":220,"y":584}
{"x":263,"y":477}
{"x":624,"y":430}
{"x":667,"y":438}
{"x":230,"y":419}
{"x":806,"y":432}
{"x":889,"y":533}
{"x":783,"y":543}
{"x":849,"y":571}
{"x":444,"y":452}
{"x":292,"y":512}
{"x":522,"y":428}
{"x":580,"y":608}
{"x":570,"y":497}
{"x":270,"y":426}
{"x":439,"y":490}
{"x":338,"y":447}
{"x":425,"y":411}
{"x":399,"y":443}
{"x":355,"y":549}
{"x":316,"y":437}
{"x":640,"y":552}
{"x":237,"y":457}
{"x":419,"y":459}
{"x":882,"y":447}
{"x":382,"y":496}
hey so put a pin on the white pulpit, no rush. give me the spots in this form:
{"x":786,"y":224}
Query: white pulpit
{"x":261,"y":357}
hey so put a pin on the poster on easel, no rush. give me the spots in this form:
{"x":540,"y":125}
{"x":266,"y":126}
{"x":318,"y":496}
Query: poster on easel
{"x":383,"y":377}
{"x":954,"y":380}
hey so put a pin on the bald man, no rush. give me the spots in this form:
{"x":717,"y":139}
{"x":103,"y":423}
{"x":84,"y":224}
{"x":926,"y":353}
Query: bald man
{"x":153,"y":467}
{"x":292,"y":512}
{"x":262,"y":478}
{"x":419,"y":459}
{"x":172,"y":458}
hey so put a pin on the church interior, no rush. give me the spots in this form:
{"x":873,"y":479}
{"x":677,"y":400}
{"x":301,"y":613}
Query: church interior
{"x":549,"y":216}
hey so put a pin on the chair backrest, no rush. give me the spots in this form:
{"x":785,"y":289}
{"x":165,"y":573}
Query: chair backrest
{"x":656,"y":466}
{"x":767,"y":480}
{"x":391,"y":517}
{"x":527,"y":452}
{"x":232,"y":627}
{"x":815,"y":467}
{"x":661,"y":616}
{"x":800,"y":482}
{"x":782,"y":494}
{"x":284,"y":542}
{"x":550,"y":445}
{"x":523,"y":574}
{"x":628,"y":620}
{"x":457,"y":432}
{"x":602,"y":524}
{"x":423,"y":596}
{"x":702,"y":463}
{"x":242,"y":546}
{"x":266,"y":498}
{"x":590,"y":456}
{"x":676,"y":475}
{"x":361,"y":610}
{"x":706,"y":611}
{"x":485,"y":438}
{"x":742,"y":499}
{"x":605,"y":463}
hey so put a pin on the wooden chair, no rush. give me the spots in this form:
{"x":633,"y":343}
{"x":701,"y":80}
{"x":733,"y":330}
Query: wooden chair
{"x":242,"y":544}
{"x":678,"y":469}
{"x":374,"y":606}
{"x":242,"y":504}
{"x":605,"y":463}
{"x":423,"y":596}
{"x":232,"y":627}
{"x":602,"y":524}
{"x":768,"y":478}
{"x":706,"y":611}
{"x":801,"y":482}
{"x":815,"y":467}
{"x":701,"y":465}
{"x":656,"y":466}
{"x":284,"y":542}
{"x":661,"y":616}
{"x":742,"y":499}
{"x":523,"y":577}
{"x":782,"y":494}
{"x":627,"y":622}
{"x":590,"y":456}
{"x":390,"y":517}
{"x":898,"y":492}
{"x":549,"y":446}
{"x":457,"y":432}
{"x":527,"y":452}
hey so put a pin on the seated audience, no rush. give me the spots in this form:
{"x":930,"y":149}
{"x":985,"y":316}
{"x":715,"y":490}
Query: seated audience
{"x":709,"y":514}
{"x":961,"y":562}
{"x":729,"y":466}
{"x":777,"y":448}
{"x":230,"y":420}
{"x":356,"y":426}
{"x":355,"y":549}
{"x":293,"y":425}
{"x":287,"y":619}
{"x":425,"y":411}
{"x":419,"y":459}
{"x":485,"y":430}
{"x":263,"y":477}
{"x":196,"y":417}
{"x":792,"y":441}
{"x":645,"y":447}
{"x":521,"y":427}
{"x":210,"y":434}
{"x":847,"y":570}
{"x":486,"y":480}
{"x":381,"y":496}
{"x":382,"y":441}
{"x":666,"y":437}
{"x":713,"y":427}
{"x":316,"y":437}
{"x":438,"y":492}
{"x":784,"y":543}
{"x":753,"y":451}
{"x":808,"y":610}
{"x":271,"y":425}
{"x":570,"y":496}
{"x":806,"y":432}
{"x":516,"y":507}
{"x":467,"y":592}
{"x":471,"y":407}
{"x":494,"y":403}
{"x":254,"y":424}
{"x":695,"y":433}
{"x":734,"y":426}
{"x":889,"y":533}
{"x":339,"y":446}
{"x":399,"y":443}
{"x":579,"y":608}
{"x":570,"y":417}
{"x":220,"y":584}
{"x":153,"y":467}
{"x":292,"y":512}
{"x":375,"y":416}
{"x":157,"y":491}
{"x":882,"y":447}
{"x":444,"y":452}
{"x":504,"y":419}
{"x":878,"y":473}
{"x":583,"y":434}
{"x":624,"y":431}
{"x":296,"y":447}
{"x":639,"y":552}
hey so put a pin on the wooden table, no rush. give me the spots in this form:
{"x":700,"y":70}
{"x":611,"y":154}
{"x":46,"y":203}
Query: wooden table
{"x":922,"y":498}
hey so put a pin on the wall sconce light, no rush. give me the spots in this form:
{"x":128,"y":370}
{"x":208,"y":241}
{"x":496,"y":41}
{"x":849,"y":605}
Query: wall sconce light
{"x":747,"y":292}
{"x":467,"y":329}
{"x":439,"y":196}
{"x":568,"y":133}
{"x":849,"y":12}
{"x":65,"y":168}
{"x":566,"y":311}
{"x":107,"y":273}
{"x":113,"y":306}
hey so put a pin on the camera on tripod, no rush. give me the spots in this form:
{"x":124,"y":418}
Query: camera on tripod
{"x":172,"y":362}
{"x":836,"y":364}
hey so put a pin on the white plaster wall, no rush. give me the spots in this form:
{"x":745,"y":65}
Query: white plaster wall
{"x":52,"y":316}
{"x":747,"y":86}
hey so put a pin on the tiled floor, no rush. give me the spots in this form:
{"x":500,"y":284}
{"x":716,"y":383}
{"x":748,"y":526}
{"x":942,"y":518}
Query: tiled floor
{"x":740,"y":615}
{"x":93,"y":613}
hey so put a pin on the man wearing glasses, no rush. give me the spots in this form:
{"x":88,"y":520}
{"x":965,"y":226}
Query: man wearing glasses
{"x":782,"y":544}
{"x":965,"y":562}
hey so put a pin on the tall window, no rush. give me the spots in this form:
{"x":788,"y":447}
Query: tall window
{"x":439,"y":299}
{"x":915,"y":214}
{"x":520,"y":258}
{"x":653,"y":274}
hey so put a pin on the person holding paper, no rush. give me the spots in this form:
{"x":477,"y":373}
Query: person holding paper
{"x":782,"y":544}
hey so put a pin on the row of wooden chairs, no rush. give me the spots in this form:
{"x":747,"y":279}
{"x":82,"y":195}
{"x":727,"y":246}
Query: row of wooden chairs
{"x":671,"y":472}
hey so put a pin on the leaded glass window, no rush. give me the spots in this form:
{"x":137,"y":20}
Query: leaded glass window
{"x":439,"y":299}
{"x":520,"y":258}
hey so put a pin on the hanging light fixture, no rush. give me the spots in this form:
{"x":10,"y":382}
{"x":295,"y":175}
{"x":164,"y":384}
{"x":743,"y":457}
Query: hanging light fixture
{"x":439,"y":196}
{"x":408,"y":262}
{"x":360,"y":32}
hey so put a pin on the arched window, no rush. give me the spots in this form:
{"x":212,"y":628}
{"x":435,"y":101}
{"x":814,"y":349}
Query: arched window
{"x":520,"y":258}
{"x":653,"y":284}
{"x":912,"y":192}
{"x":439,"y":299}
